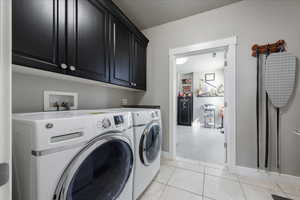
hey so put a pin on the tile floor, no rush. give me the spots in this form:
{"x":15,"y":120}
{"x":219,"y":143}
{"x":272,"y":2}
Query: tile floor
{"x":203,"y":144}
{"x":192,"y":180}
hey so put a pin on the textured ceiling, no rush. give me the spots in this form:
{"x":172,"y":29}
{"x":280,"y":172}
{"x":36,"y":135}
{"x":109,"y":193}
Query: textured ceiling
{"x":149,"y":13}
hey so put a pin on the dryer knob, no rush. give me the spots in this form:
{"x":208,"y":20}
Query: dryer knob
{"x":106,"y":123}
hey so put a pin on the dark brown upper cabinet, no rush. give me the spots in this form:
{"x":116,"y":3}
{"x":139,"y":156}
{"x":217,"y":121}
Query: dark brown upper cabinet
{"x":91,"y":39}
{"x":139,"y":69}
{"x":121,"y":53}
{"x":88,"y":47}
{"x":39,"y":33}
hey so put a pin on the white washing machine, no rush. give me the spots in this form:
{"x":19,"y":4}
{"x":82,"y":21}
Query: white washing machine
{"x":73,"y":156}
{"x":148,"y":140}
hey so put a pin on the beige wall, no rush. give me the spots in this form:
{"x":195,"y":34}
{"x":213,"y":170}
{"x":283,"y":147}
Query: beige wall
{"x":253,"y":21}
{"x":27,"y":93}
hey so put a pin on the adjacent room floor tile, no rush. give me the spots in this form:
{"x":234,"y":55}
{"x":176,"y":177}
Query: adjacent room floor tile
{"x":203,"y":144}
{"x":153,"y":192}
{"x":165,"y":174}
{"x":222,"y":189}
{"x":172,"y":193}
{"x":259,"y":193}
{"x":187,"y":180}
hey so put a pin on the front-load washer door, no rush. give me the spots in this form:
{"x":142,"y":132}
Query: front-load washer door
{"x":99,"y":172}
{"x":150,"y":143}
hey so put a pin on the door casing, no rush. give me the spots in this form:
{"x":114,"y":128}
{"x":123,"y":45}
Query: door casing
{"x":229,"y":45}
{"x":5,"y":92}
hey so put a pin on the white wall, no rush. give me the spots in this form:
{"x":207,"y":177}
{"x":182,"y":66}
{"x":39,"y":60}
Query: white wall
{"x":253,"y":21}
{"x":28,"y":93}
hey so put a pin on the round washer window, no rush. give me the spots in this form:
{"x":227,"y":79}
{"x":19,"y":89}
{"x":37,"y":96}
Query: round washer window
{"x":150,"y":144}
{"x":103,"y":174}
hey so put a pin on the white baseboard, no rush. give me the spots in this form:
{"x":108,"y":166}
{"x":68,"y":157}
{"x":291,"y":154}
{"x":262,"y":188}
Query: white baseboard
{"x":242,"y":169}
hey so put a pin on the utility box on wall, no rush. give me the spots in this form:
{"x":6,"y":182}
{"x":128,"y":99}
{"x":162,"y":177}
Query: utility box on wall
{"x":57,"y":101}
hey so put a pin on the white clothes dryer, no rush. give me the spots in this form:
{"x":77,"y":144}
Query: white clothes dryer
{"x":148,"y":140}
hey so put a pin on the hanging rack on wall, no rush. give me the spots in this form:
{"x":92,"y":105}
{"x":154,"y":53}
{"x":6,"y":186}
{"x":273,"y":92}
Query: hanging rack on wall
{"x":258,"y":50}
{"x":276,"y":47}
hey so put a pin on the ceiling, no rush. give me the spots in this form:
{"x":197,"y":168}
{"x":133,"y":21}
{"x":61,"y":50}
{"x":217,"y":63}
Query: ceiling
{"x":149,"y":13}
{"x":202,"y":63}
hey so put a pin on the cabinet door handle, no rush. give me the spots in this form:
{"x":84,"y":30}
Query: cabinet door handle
{"x":63,"y":66}
{"x":114,"y":37}
{"x":72,"y":68}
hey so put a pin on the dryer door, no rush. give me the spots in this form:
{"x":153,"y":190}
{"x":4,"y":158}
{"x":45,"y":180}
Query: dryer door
{"x":100,"y":171}
{"x":150,"y":143}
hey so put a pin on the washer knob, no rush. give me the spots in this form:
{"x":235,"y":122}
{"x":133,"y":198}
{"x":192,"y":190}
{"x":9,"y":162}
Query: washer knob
{"x":106,"y":123}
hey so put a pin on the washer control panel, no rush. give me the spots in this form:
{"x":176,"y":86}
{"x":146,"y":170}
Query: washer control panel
{"x":112,"y":121}
{"x":119,"y":120}
{"x":106,"y":123}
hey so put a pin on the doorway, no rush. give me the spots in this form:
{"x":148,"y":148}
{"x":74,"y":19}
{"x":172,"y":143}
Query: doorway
{"x":202,"y":102}
{"x":200,"y":107}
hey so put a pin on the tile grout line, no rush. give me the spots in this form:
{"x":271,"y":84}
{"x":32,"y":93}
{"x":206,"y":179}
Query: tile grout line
{"x":182,"y":188}
{"x":178,"y":167}
{"x":226,"y":178}
{"x":185,"y":190}
{"x":242,"y":188}
{"x":203,"y":187}
{"x":163,"y":191}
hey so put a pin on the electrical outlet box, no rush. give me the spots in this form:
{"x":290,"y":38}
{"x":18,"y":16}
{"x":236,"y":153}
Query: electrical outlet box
{"x":54,"y":100}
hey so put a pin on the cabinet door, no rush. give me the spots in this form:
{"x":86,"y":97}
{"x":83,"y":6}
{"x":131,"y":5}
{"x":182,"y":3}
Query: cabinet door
{"x":88,"y":40}
{"x":120,"y":66}
{"x":38,"y":33}
{"x":139,"y":69}
{"x":185,"y":111}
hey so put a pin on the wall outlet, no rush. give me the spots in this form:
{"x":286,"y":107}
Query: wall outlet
{"x":54,"y":100}
{"x":124,"y":102}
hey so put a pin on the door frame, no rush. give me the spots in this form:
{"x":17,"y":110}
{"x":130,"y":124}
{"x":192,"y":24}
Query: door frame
{"x":5,"y":92}
{"x":230,"y":44}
